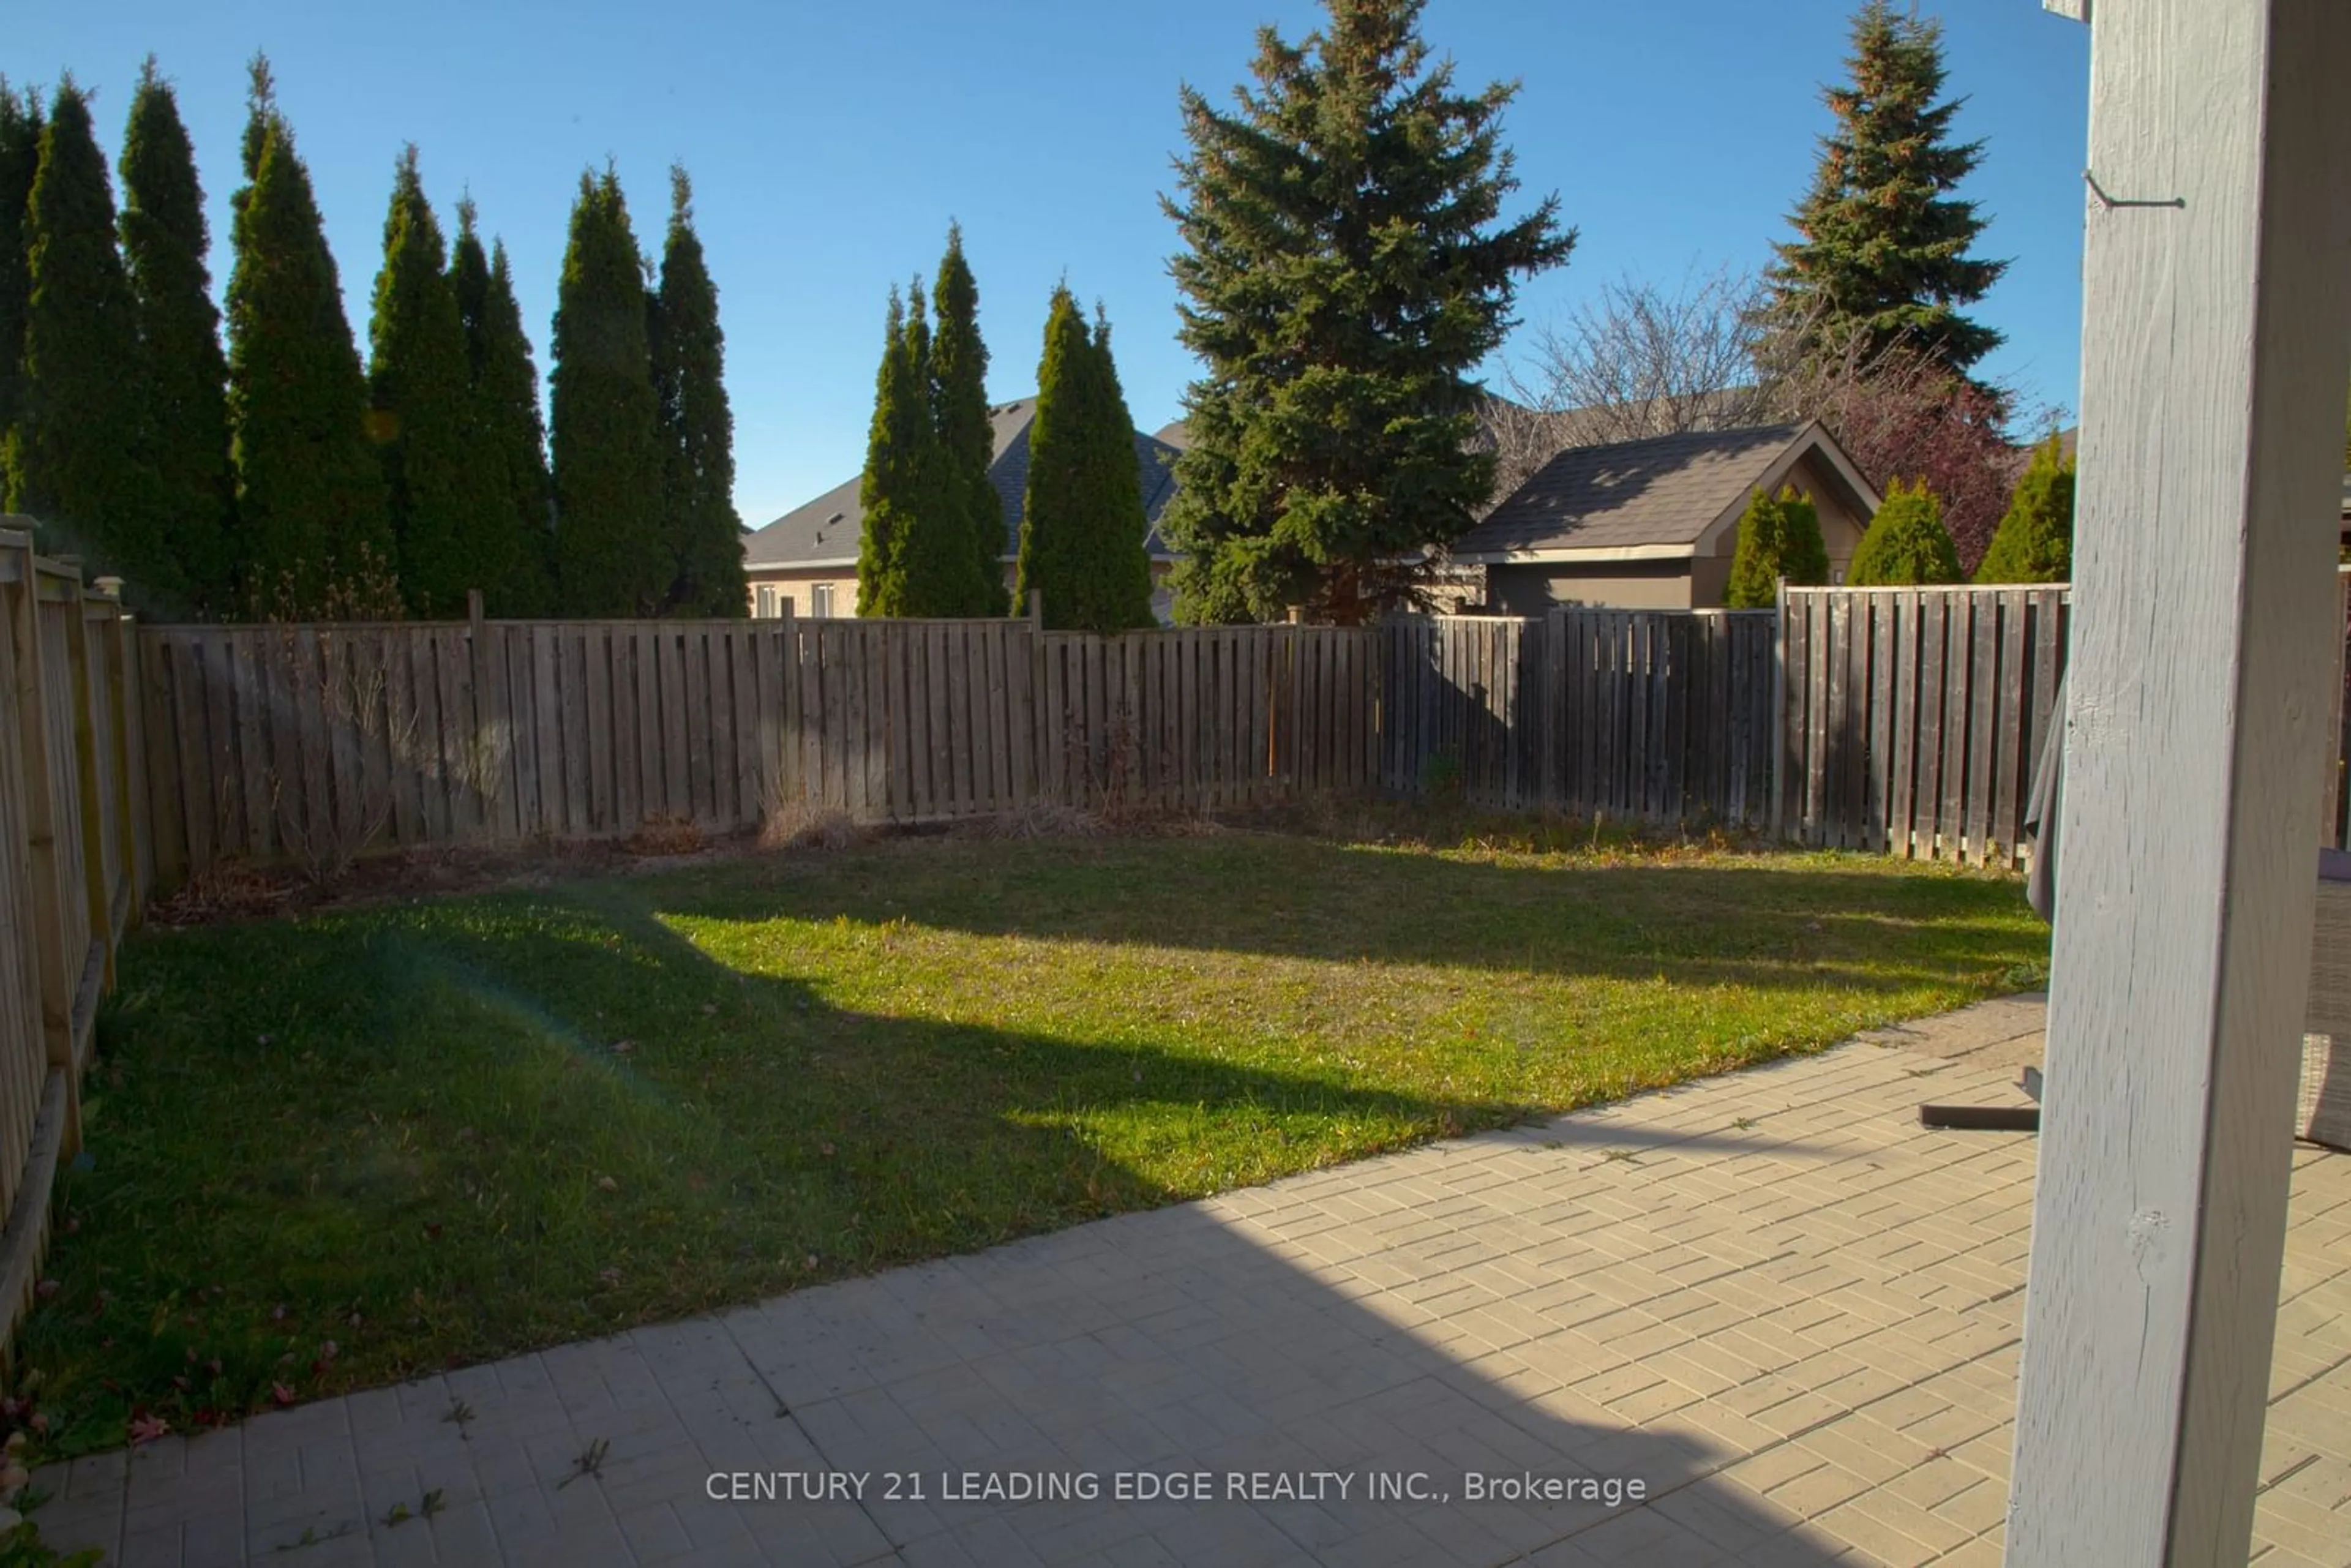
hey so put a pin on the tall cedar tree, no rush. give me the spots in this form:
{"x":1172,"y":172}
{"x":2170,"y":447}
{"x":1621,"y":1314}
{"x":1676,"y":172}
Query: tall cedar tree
{"x":610,"y":556}
{"x":165,"y":242}
{"x":1343,"y":273}
{"x":933,"y":573}
{"x":442,"y":476}
{"x":504,"y":384}
{"x":966,"y":434}
{"x":902,"y":466}
{"x":20,"y":161}
{"x":312,"y":528}
{"x":84,"y":465}
{"x":1882,"y":245}
{"x":1905,"y":544}
{"x":705,"y":533}
{"x":1082,"y":525}
{"x":2035,"y":539}
{"x":1779,"y":537}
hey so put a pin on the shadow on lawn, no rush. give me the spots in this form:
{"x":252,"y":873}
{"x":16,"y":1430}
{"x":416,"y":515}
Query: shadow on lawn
{"x":1281,"y":896}
{"x":1165,"y":1343}
{"x":390,"y":1129}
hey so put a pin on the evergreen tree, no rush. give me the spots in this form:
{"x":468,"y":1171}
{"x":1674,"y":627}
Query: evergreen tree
{"x":2035,"y":539}
{"x":1905,"y":544}
{"x":901,"y":467}
{"x":933,"y":572}
{"x":1082,"y":525}
{"x":312,"y":528}
{"x":1343,"y":273}
{"x":705,"y":533}
{"x":1779,"y":537}
{"x":20,"y":161}
{"x":164,"y":245}
{"x":503,"y":384}
{"x":967,"y":434}
{"x":84,"y":460}
{"x":610,"y":556}
{"x":1881,"y":252}
{"x":443,"y":477}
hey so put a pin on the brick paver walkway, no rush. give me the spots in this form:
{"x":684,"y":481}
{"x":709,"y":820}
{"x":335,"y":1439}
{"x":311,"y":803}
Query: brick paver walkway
{"x":1771,"y":1298}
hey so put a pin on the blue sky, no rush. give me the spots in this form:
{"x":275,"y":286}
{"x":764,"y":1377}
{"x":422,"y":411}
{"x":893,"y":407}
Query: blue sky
{"x":831,"y":144}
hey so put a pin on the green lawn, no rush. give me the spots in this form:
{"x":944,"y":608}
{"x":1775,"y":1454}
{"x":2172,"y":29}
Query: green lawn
{"x":335,"y":1151}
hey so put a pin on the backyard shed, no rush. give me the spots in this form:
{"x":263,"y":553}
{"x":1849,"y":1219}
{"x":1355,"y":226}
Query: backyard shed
{"x":1652,"y":525}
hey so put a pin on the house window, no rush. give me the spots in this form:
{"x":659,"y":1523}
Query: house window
{"x":767,"y":601}
{"x":1836,"y":576}
{"x":821,"y":598}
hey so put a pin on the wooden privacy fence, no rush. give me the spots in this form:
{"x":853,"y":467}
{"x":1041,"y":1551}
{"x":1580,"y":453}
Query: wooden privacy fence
{"x":73,"y":871}
{"x":311,"y":742}
{"x":1911,"y":719}
{"x":1652,"y":716}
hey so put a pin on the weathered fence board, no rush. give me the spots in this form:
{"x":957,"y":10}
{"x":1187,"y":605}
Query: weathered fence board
{"x":1645,"y":715}
{"x":1916,"y":717}
{"x":74,"y":856}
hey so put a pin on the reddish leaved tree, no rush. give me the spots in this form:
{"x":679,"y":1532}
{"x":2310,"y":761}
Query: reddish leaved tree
{"x":1901,"y":416}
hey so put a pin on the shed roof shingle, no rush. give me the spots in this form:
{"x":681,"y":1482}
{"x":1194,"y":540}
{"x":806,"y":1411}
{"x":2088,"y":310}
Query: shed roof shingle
{"x":1664,"y":492}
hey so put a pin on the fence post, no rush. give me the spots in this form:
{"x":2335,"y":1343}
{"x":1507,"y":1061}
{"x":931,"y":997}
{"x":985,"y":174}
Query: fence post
{"x":1780,"y":710}
{"x":1551,"y":727}
{"x":98,"y":898}
{"x":119,"y":648}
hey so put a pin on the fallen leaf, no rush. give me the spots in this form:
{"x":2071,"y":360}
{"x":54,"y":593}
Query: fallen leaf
{"x":607,"y":1184}
{"x":147,"y":1429}
{"x":622,"y":1046}
{"x":825,"y":1149}
{"x":611,"y":1277}
{"x":280,"y":1394}
{"x":708,"y":1009}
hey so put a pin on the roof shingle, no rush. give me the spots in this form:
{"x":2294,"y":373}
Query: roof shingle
{"x":1662,"y":492}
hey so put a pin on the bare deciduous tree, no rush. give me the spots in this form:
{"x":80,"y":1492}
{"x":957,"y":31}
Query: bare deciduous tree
{"x":1641,"y":360}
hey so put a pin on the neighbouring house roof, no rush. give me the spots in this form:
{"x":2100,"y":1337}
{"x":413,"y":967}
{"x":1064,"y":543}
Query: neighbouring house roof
{"x":824,"y":532}
{"x":1651,"y":499}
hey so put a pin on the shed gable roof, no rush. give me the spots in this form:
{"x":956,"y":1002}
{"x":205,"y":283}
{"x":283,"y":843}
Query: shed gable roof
{"x":1657,"y":498}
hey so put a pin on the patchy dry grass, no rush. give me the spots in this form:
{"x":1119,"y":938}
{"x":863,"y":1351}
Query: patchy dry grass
{"x":333,"y":1151}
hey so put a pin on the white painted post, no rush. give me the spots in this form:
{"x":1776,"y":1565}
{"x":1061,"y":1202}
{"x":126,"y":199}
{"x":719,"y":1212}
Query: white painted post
{"x":2216,"y":336}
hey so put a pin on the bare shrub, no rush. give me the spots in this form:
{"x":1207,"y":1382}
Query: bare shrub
{"x":1046,"y":820}
{"x":667,"y":835}
{"x":796,"y":823}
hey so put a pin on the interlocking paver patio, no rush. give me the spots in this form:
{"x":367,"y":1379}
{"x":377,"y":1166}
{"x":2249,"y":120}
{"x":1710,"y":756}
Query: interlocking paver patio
{"x":1772,"y":1297}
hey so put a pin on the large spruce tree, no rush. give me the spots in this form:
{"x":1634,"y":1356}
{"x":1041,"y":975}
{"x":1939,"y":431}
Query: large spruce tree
{"x":1881,"y":248}
{"x":966,"y":434}
{"x":504,"y":384}
{"x":83,"y":467}
{"x":1345,"y":270}
{"x":1081,"y":523}
{"x":312,"y":531}
{"x":166,"y":244}
{"x":611,"y":558}
{"x":20,"y":161}
{"x":444,"y":480}
{"x":689,"y":352}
